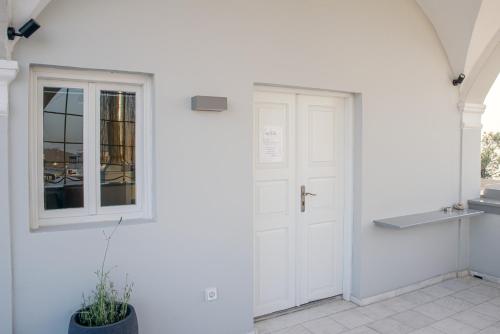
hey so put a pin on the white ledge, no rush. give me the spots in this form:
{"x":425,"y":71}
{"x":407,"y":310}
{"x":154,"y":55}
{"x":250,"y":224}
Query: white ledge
{"x":418,"y":219}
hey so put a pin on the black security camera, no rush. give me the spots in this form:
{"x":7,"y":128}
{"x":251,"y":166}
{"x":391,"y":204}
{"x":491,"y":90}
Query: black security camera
{"x":25,"y":31}
{"x":459,"y":80}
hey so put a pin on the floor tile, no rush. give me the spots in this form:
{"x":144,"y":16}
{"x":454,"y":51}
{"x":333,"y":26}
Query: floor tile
{"x":293,"y":330}
{"x":377,"y":311}
{"x":472,"y":280}
{"x":311,"y":314}
{"x":437,"y":291}
{"x":474,"y":319}
{"x":472,"y":297}
{"x":299,"y":317}
{"x":458,"y":306}
{"x":418,"y":298}
{"x":413,"y":319}
{"x":452,"y":326}
{"x":458,"y":284}
{"x":427,"y":330}
{"x":260,"y":328}
{"x":284,"y":321}
{"x":488,"y":309}
{"x":490,"y":330}
{"x":493,"y":284}
{"x":361,"y":330}
{"x":267,"y":326}
{"x":390,"y":326}
{"x":335,"y":307}
{"x":324,"y":326}
{"x":454,"y":304}
{"x":399,"y":304}
{"x":485,"y":290}
{"x":434,"y":311}
{"x":351,"y":318}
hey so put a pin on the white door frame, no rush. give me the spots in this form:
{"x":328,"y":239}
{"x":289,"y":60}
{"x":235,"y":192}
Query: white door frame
{"x":348,"y":166}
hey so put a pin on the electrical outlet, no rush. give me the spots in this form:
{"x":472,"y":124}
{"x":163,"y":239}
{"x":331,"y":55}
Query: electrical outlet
{"x":210,"y":294}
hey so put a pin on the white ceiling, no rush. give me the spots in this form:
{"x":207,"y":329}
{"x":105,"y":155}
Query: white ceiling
{"x":23,"y":10}
{"x":467,"y":28}
{"x":454,"y":22}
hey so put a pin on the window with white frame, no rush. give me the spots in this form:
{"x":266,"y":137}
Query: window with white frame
{"x":90,"y":146}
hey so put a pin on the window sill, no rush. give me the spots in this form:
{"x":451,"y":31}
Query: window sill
{"x":97,"y":224}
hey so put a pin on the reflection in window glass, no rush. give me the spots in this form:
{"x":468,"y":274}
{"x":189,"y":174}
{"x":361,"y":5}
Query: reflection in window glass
{"x":63,"y":147}
{"x":117,"y":148}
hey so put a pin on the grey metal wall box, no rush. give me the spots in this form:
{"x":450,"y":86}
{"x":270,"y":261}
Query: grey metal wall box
{"x":208,"y":103}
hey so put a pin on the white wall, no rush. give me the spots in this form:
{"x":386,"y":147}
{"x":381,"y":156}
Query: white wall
{"x":407,"y":143}
{"x":484,"y":236}
{"x":5,"y":235}
{"x":3,"y":26}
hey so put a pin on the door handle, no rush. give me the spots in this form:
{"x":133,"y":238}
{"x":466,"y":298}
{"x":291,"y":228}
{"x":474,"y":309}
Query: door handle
{"x":303,"y":195}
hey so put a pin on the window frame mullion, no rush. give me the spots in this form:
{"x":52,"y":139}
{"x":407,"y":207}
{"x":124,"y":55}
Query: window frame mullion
{"x":92,"y":150}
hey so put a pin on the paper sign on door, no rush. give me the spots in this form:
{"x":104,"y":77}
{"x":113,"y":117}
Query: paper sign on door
{"x":271,"y":146}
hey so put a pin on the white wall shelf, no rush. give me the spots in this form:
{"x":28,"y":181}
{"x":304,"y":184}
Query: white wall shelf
{"x":418,"y":219}
{"x":487,"y":205}
{"x":489,"y":202}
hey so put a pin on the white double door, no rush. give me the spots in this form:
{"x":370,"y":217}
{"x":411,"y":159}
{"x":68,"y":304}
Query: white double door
{"x":298,"y":199}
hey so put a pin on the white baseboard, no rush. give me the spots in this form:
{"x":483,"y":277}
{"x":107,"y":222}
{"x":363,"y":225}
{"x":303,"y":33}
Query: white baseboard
{"x":486,"y":277}
{"x":463,"y":273}
{"x":407,"y":289}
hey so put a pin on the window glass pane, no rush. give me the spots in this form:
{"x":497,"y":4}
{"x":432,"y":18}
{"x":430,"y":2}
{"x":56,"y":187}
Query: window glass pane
{"x":74,"y":129}
{"x":53,"y":127}
{"x":63,"y":100}
{"x":117,"y":148}
{"x":63,"y":148}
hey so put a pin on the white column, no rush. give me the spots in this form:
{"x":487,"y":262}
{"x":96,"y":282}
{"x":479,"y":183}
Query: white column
{"x":470,"y":169}
{"x":8,"y":71}
{"x":471,"y":150}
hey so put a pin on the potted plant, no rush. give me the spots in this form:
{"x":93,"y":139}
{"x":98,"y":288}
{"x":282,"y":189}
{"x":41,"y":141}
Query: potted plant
{"x":105,"y":310}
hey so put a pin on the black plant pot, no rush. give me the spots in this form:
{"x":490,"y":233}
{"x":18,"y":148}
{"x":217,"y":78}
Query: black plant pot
{"x":125,"y":326}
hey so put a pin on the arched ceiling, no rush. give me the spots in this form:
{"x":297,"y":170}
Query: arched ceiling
{"x":23,"y":10}
{"x":469,"y":30}
{"x":487,"y":26}
{"x":482,"y":77}
{"x":454,"y":22}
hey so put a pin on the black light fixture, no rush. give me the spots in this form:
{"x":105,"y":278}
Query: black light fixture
{"x":459,"y":80}
{"x":25,"y":31}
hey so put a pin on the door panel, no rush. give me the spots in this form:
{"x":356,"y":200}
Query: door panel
{"x":321,"y":134}
{"x":320,"y":157}
{"x":321,"y":271}
{"x":272,"y":272}
{"x":274,"y":205}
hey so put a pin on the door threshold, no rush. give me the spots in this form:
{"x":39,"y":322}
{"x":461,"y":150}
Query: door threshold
{"x":297,"y":308}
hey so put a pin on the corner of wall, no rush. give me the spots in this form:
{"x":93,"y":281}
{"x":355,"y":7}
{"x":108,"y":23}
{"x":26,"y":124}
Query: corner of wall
{"x":357,"y":196}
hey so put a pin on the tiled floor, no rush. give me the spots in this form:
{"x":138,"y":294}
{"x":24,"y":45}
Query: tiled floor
{"x":458,"y":306}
